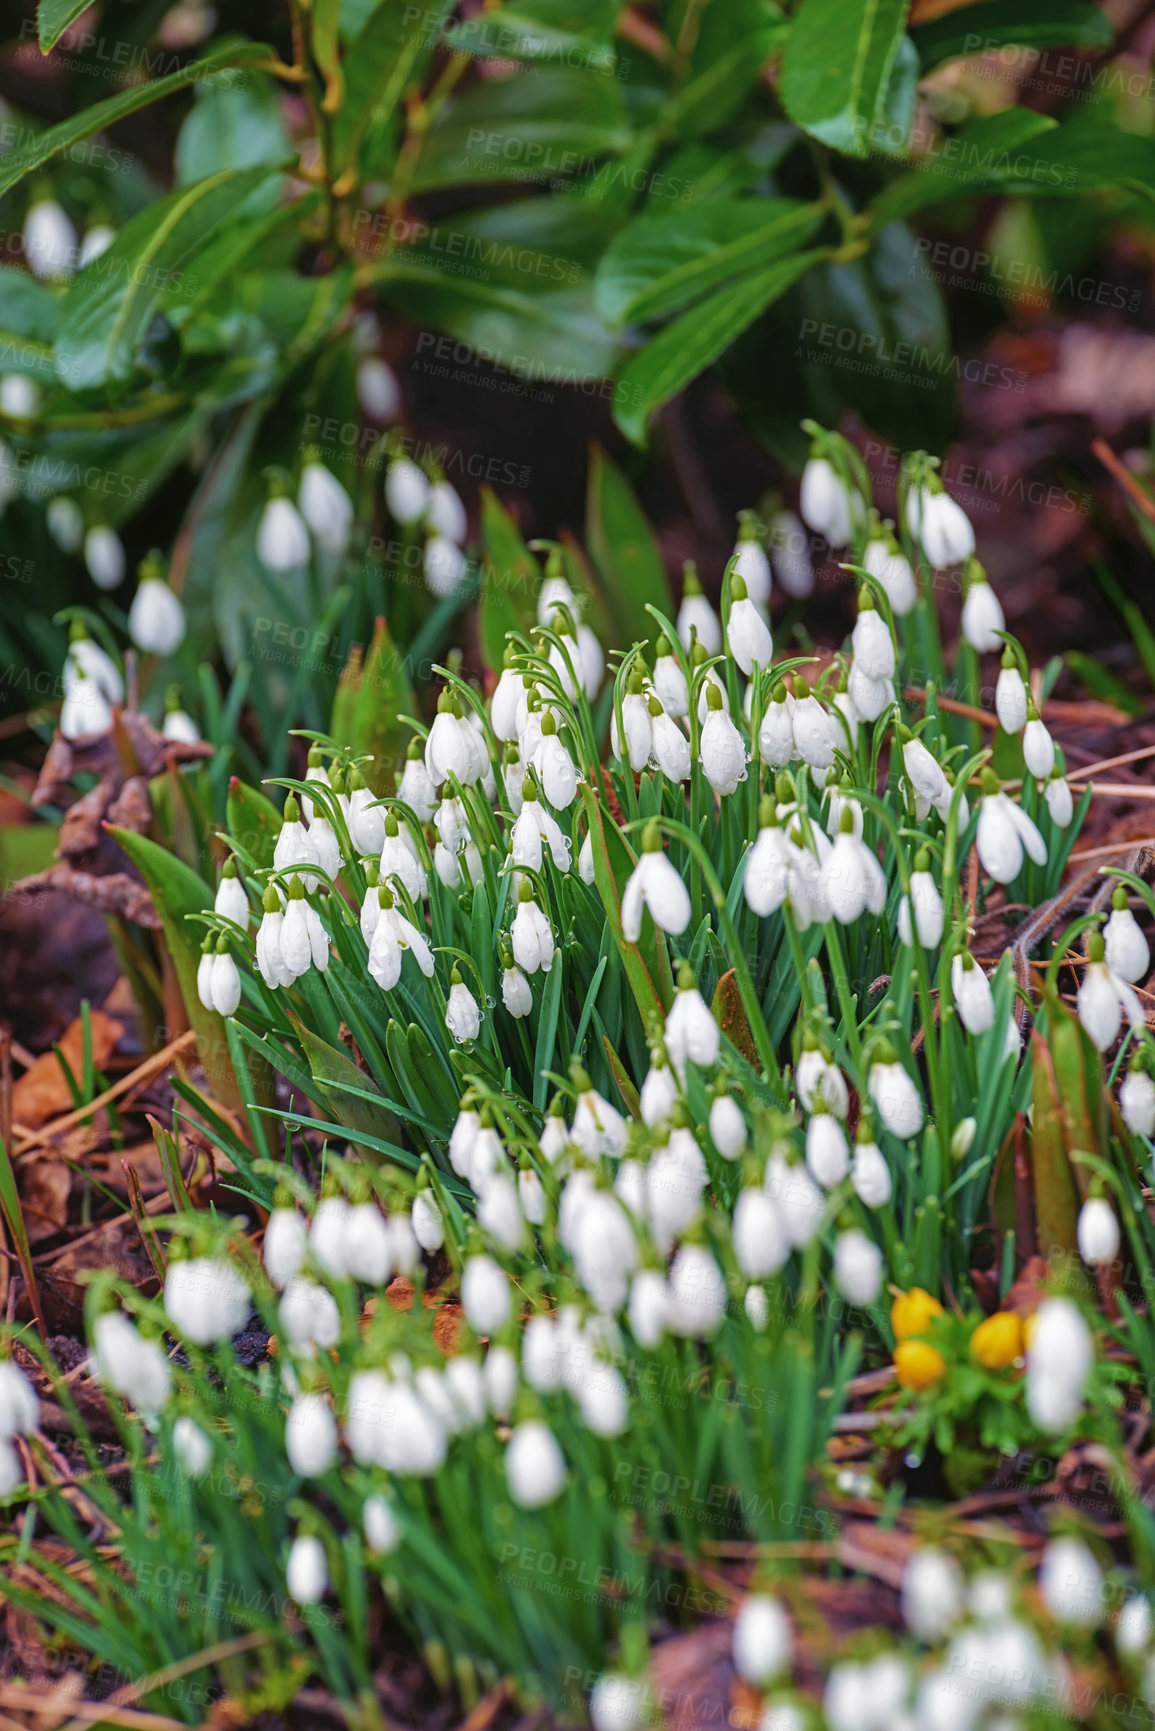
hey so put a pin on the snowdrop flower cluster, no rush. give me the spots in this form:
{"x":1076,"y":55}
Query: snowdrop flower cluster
{"x":432,"y":508}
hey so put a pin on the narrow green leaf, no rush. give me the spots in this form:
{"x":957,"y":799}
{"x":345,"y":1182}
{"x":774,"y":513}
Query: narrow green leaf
{"x":53,"y":18}
{"x":997,"y":23}
{"x":624,"y":550}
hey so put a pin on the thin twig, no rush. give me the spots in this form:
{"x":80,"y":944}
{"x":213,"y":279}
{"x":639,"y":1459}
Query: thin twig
{"x":136,"y":1078}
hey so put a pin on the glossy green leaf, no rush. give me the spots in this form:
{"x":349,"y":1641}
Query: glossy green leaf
{"x":28,"y":311}
{"x":108,"y":307}
{"x":382,"y":60}
{"x":538,"y":130}
{"x":623,"y":548}
{"x":837,"y":65}
{"x":342,"y":1086}
{"x":253,"y":821}
{"x":687,"y":346}
{"x":234,"y":126}
{"x":977,"y":156}
{"x":664,"y":262}
{"x":53,"y":18}
{"x":997,"y":23}
{"x":734,"y":39}
{"x":577,"y":32}
{"x":230,"y":52}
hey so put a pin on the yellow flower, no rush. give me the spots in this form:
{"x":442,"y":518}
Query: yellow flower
{"x":998,"y":1341}
{"x":918,"y":1364}
{"x":913,"y":1312}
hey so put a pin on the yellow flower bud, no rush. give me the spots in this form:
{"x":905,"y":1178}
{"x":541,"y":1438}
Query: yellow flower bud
{"x":913,"y":1312}
{"x":919,"y":1365}
{"x":997,"y":1341}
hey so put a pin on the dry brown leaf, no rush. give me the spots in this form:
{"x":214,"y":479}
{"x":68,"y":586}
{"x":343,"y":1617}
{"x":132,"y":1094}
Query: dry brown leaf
{"x":45,"y":1187}
{"x":42,"y":1092}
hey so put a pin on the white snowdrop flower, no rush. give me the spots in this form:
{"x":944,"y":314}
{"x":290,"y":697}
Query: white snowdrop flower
{"x":50,"y":240}
{"x":463,"y":1141}
{"x":857,"y":1267}
{"x":368,"y":1251}
{"x":543,"y":1354}
{"x":696,"y":616}
{"x":406,"y":491}
{"x":647,"y":1308}
{"x":896,"y":1098}
{"x":417,"y":789}
{"x":942,"y":526}
{"x":500,"y":1375}
{"x":892,"y":569}
{"x":307,"y":1572}
{"x":671,"y":748}
{"x":96,"y":243}
{"x":747,"y":633}
{"x":696,"y":1294}
{"x":555,"y":767}
{"x":1098,"y":1232}
{"x":636,"y":726}
{"x":224,"y":983}
{"x":849,"y":1702}
{"x":923,"y":771}
{"x":19,"y":1403}
{"x":766,"y":882}
{"x":817,"y":735}
{"x":325,"y":845}
{"x":130,"y":1365}
{"x":325,"y":506}
{"x":819,"y":1083}
{"x":631,"y":1186}
{"x":1011,"y":695}
{"x":727,"y":1126}
{"x":658,"y":1095}
{"x":282,"y":538}
{"x":65,"y":523}
{"x":368,"y":829}
{"x":838,"y":799}
{"x":1038,"y":749}
{"x":532,"y":828}
{"x":1060,"y":801}
{"x":1126,"y":949}
{"x":205,"y":974}
{"x":444,"y":565}
{"x":426,"y":1222}
{"x":329,"y":1236}
{"x":776,"y":733}
{"x":867,"y":698}
{"x":982,"y":617}
{"x":380,"y":1525}
{"x":295,"y":846}
{"x":516,"y":992}
{"x":597,"y":1127}
{"x":932,"y":1594}
{"x":230,"y":901}
{"x":404,"y":1250}
{"x":675,"y":1180}
{"x":593,"y":661}
{"x":445,"y":514}
{"x":270,"y":961}
{"x":20,"y":398}
{"x":485,"y":1295}
{"x":1071,"y":1582}
{"x":604,"y":1249}
{"x":179,"y":725}
{"x":499,"y":1213}
{"x":762,"y":1642}
{"x":604,"y":1402}
{"x":751,"y":562}
{"x":1134,"y":1628}
{"x":692,"y":1035}
{"x":1059,"y":1358}
{"x":286,"y":1244}
{"x":104,"y":557}
{"x":761,"y":1244}
{"x":655,"y":883}
{"x":532,"y":1196}
{"x":722,"y":753}
{"x":851,"y":881}
{"x":1004,"y":833}
{"x":797,"y":1195}
{"x":927,"y":903}
{"x":85,"y":711}
{"x":465,"y":1386}
{"x":1137,"y":1102}
{"x":757,"y":1308}
{"x":206,"y":1298}
{"x":870,"y":1174}
{"x":534,"y":1465}
{"x":308,"y":1315}
{"x":451,"y":748}
{"x":873,"y":645}
{"x":586,"y":861}
{"x":462,"y":1011}
{"x":507,"y":708}
{"x":192,"y":1448}
{"x":827,"y":504}
{"x":533,"y":946}
{"x":619,"y":1703}
{"x":790,"y":555}
{"x":566,"y":659}
{"x":972,"y":994}
{"x":670,"y":682}
{"x":378,"y":392}
{"x":1103,"y":998}
{"x":827,"y":1153}
{"x":311,"y":1436}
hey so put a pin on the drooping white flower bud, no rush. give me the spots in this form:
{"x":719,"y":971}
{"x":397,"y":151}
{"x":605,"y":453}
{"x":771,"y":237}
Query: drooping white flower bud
{"x":1137,"y":1102}
{"x":65,"y":522}
{"x":1071,"y":1582}
{"x":533,"y":945}
{"x":851,"y":879}
{"x":655,"y":883}
{"x":618,"y":1703}
{"x":381,"y":1527}
{"x":982,"y":617}
{"x":311,"y":1436}
{"x":485,"y":1295}
{"x":130,"y":1365}
{"x":1011,"y":695}
{"x":192,"y":1448}
{"x":932,"y":1596}
{"x":286,"y":1245}
{"x":692,"y":1035}
{"x":670,"y":681}
{"x":534,"y":1466}
{"x":1127,"y":951}
{"x":873,"y":645}
{"x":1103,"y":998}
{"x":762,"y":1642}
{"x":156,"y":620}
{"x":1059,"y":1357}
{"x":307,"y":1572}
{"x":516,"y":993}
{"x":727,"y":1126}
{"x":462,"y":1011}
{"x":790,"y":555}
{"x":445,"y":514}
{"x":761,"y":1244}
{"x":85,"y":711}
{"x":19,"y":1403}
{"x":308,"y":1315}
{"x":96,"y":243}
{"x":282,"y":538}
{"x":696,"y":616}
{"x":325,"y":506}
{"x":696,"y":1294}
{"x":1004,"y":833}
{"x":747,"y":632}
{"x":944,"y":529}
{"x":924,"y":896}
{"x":722,"y":753}
{"x":972,"y":994}
{"x":368,"y":1247}
{"x":1098,"y":1232}
{"x":378,"y":392}
{"x":1060,"y":802}
{"x":444,"y":566}
{"x":827,"y":1153}
{"x":870,"y":1174}
{"x":206,"y":1298}
{"x":896,"y":1098}
{"x":891,"y":568}
{"x":826,"y":503}
{"x":857,"y":1267}
{"x":1038,"y":749}
{"x":104,"y":557}
{"x":406,"y":491}
{"x":49,"y":240}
